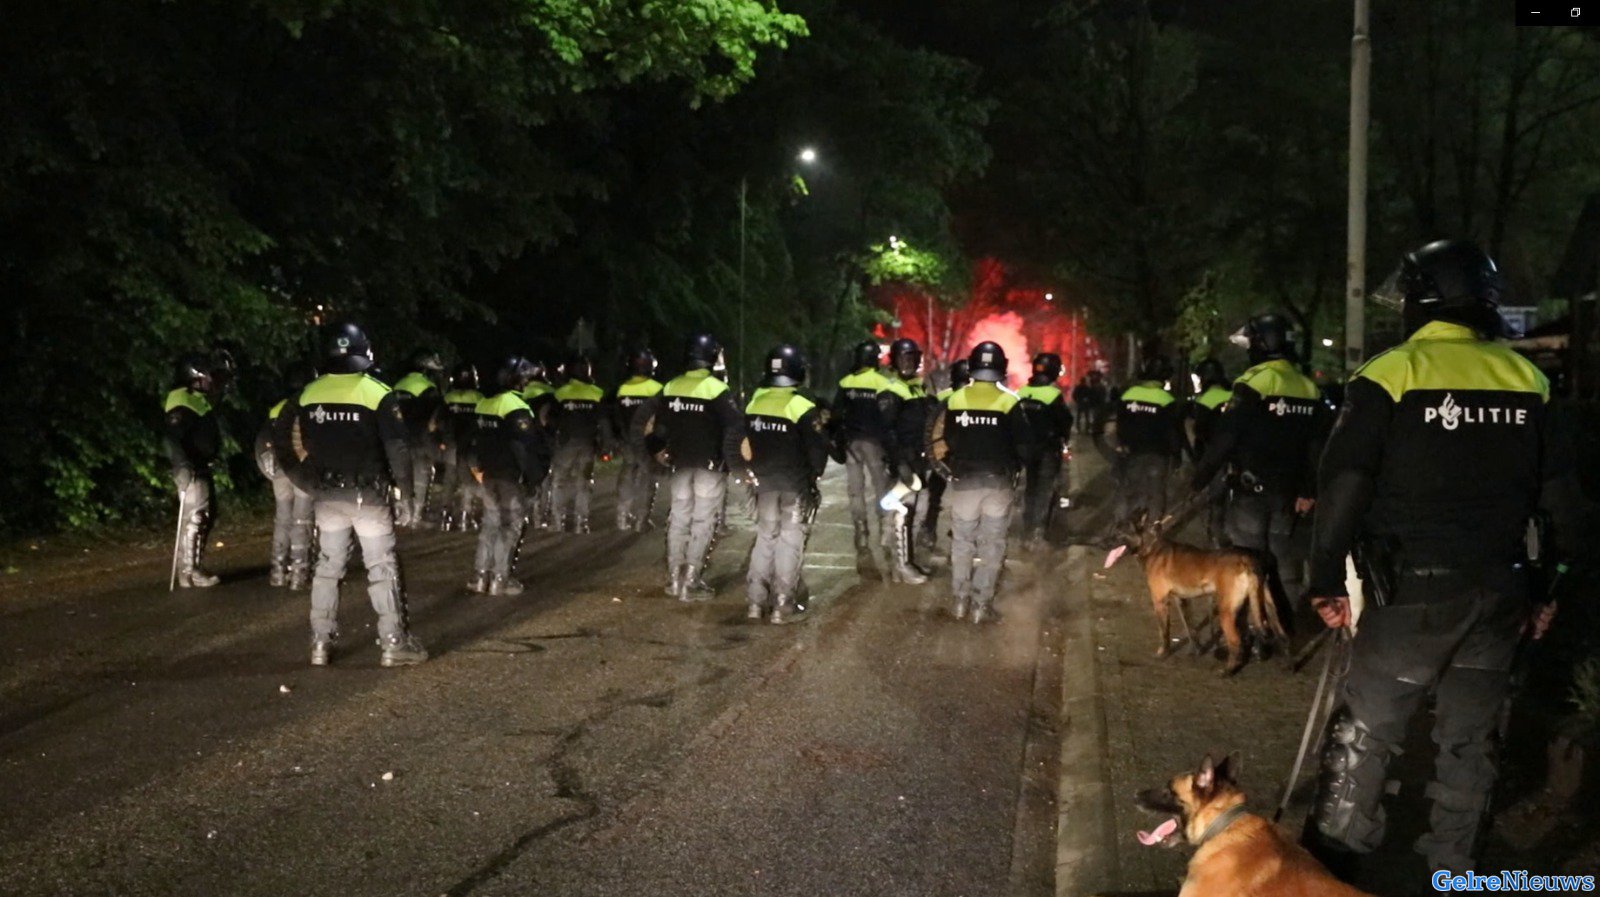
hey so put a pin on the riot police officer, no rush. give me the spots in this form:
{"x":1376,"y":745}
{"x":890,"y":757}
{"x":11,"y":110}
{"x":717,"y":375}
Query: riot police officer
{"x":193,"y":440}
{"x":1051,"y":423}
{"x":865,"y":410}
{"x":510,"y":456}
{"x":1150,"y":438}
{"x":1204,"y":411}
{"x":291,"y":518}
{"x":540,"y":395}
{"x":928,"y":535}
{"x":1266,"y":441}
{"x":459,"y":418}
{"x":697,"y":428}
{"x":784,"y":451}
{"x":911,"y":459}
{"x":1433,"y":470}
{"x":421,"y":405}
{"x":636,"y":483}
{"x":580,"y":429}
{"x":980,"y":438}
{"x":344,"y":440}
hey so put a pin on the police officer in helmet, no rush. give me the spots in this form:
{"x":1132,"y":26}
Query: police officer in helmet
{"x":784,"y":451}
{"x":1266,"y":442}
{"x":865,"y":411}
{"x":980,"y":439}
{"x":580,"y":428}
{"x":928,"y":535}
{"x":291,"y":519}
{"x":1150,"y":439}
{"x":422,"y":406}
{"x":1051,"y":421}
{"x":1205,"y":410}
{"x":911,"y":466}
{"x":193,"y":440}
{"x":510,"y":457}
{"x":697,"y":429}
{"x":636,"y":482}
{"x":1433,"y":470}
{"x":343,"y":439}
{"x":458,"y":418}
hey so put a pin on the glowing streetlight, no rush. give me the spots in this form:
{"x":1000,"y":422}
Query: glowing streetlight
{"x":807,"y":155}
{"x":1049,"y":297}
{"x":1327,"y":343}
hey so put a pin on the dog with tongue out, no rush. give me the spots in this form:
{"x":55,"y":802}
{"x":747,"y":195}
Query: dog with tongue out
{"x":1238,"y":854}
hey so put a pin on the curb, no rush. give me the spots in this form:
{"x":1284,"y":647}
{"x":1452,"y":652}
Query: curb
{"x":1086,"y":860}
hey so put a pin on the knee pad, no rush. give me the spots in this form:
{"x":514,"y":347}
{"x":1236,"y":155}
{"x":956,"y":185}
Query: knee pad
{"x":1350,"y":783}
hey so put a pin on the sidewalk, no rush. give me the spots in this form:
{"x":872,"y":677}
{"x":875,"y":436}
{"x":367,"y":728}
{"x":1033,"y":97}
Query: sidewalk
{"x":1131,"y":721}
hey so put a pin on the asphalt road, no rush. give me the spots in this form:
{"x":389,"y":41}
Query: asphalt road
{"x":591,"y":737}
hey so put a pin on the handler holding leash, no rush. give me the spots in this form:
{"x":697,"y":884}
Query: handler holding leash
{"x":1431,"y":477}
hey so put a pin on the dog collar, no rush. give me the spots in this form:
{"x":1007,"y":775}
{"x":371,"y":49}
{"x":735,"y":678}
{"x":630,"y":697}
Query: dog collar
{"x":1218,"y":825}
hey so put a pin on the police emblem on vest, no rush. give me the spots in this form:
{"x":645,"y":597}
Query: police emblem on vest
{"x":977,"y":419}
{"x":1451,"y":415}
{"x":679,"y":405}
{"x":321,"y":415}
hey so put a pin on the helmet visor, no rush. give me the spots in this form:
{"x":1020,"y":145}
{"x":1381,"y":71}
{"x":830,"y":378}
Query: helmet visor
{"x":1389,"y":294}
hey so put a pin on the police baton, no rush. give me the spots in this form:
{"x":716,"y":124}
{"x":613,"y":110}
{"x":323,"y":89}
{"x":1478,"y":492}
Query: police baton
{"x":1321,"y":708}
{"x":177,"y":539}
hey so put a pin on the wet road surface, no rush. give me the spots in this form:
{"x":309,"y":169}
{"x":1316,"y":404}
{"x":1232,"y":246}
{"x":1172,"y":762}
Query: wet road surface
{"x":590,"y":737}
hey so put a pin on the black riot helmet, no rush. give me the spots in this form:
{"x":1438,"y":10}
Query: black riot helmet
{"x":538,"y":372}
{"x":427,"y":361}
{"x":579,"y":368}
{"x":347,"y":350}
{"x":223,"y":368}
{"x":865,"y":354}
{"x":1046,"y":369}
{"x":906,"y":357}
{"x":642,"y":363}
{"x":960,"y":373}
{"x":514,"y":373}
{"x":1264,"y":337}
{"x":785,"y":367}
{"x":1156,"y":368}
{"x":702,"y":352}
{"x":299,"y":376}
{"x":1451,"y":280}
{"x":987,"y":362}
{"x":192,"y":370}
{"x":464,"y":376}
{"x":1210,"y":373}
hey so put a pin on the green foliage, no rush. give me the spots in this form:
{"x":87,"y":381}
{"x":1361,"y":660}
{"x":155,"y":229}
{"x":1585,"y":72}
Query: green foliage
{"x":175,"y":174}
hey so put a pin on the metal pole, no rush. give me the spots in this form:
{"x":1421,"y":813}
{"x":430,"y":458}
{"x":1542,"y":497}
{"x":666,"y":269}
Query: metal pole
{"x":1355,"y":309}
{"x":744,"y":184}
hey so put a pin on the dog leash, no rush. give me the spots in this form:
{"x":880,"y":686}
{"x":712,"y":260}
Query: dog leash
{"x":1315,"y":720}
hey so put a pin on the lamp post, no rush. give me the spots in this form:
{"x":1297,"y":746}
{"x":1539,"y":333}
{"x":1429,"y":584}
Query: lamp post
{"x":806,"y":156}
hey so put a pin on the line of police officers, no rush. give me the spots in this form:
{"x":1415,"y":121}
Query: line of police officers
{"x":1431,"y":475}
{"x":349,"y":458}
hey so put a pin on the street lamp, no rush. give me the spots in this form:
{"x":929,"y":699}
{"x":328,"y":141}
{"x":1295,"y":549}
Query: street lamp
{"x":806,"y":156}
{"x":1049,"y":297}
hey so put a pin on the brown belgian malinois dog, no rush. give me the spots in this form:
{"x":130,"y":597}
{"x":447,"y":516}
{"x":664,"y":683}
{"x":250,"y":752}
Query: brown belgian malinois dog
{"x":1234,"y":579}
{"x":1239,"y":854}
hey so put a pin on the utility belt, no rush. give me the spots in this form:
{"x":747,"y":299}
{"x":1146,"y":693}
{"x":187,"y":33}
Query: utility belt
{"x":1381,"y":564}
{"x":338,"y":479}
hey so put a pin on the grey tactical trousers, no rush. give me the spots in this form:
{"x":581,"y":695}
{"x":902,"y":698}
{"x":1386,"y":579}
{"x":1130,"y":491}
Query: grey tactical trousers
{"x":779,"y":549}
{"x":342,"y":519}
{"x":980,"y":514}
{"x":505,"y":516}
{"x":697,"y":496}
